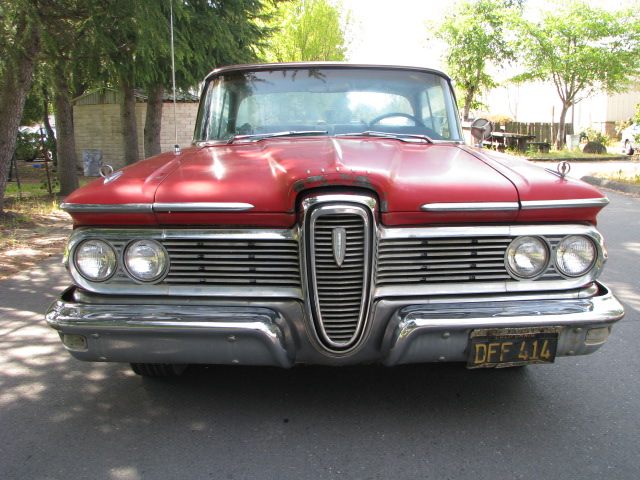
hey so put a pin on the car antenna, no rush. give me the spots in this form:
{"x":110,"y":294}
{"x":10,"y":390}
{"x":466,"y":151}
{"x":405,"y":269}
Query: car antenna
{"x":176,"y":146}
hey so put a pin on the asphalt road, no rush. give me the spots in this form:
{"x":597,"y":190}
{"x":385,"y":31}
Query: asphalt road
{"x":64,"y":419}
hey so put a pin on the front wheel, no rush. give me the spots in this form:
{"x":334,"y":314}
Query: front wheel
{"x":158,"y":370}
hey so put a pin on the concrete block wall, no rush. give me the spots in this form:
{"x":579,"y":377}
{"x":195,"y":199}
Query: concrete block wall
{"x":98,"y":127}
{"x":186,"y":120}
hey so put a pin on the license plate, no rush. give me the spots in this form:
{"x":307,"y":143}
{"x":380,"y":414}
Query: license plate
{"x":511,"y":347}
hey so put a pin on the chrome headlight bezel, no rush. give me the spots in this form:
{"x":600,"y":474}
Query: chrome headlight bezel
{"x":560,"y":254}
{"x":540,"y":258}
{"x":107,"y":251}
{"x":155,"y":257}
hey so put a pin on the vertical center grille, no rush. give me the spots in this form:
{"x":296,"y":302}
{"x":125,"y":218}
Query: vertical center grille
{"x":339,"y":258}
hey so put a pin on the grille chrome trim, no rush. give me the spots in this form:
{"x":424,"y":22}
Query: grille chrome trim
{"x":478,"y":266}
{"x":122,"y":284}
{"x":338,"y":295}
{"x":226,"y":263}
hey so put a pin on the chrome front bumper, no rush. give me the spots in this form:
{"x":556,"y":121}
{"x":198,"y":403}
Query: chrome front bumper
{"x":274,"y":332}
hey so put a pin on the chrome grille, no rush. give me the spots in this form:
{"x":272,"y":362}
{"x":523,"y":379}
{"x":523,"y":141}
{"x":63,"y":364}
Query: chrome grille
{"x":446,"y":260}
{"x":233,"y":262}
{"x":339,"y":293}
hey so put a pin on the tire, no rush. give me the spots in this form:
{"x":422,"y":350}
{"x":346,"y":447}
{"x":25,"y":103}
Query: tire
{"x":628,"y":149}
{"x":158,"y":370}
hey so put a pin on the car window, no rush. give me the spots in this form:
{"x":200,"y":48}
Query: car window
{"x":338,"y":101}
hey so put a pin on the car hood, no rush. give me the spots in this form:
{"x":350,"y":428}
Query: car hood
{"x":260,"y":182}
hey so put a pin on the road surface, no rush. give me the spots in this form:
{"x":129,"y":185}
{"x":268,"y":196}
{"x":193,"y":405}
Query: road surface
{"x":64,"y":419}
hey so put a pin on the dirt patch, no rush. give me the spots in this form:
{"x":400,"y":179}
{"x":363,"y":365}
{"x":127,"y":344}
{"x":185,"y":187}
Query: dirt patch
{"x":26,"y":243}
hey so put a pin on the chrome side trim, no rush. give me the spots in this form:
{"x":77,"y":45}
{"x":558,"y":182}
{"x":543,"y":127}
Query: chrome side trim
{"x":470,"y":207}
{"x":155,"y":207}
{"x":489,"y":230}
{"x":576,"y":203}
{"x":202,"y":207}
{"x":103,"y":208}
{"x":512,"y":206}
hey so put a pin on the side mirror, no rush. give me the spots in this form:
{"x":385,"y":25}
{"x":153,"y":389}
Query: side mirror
{"x":481,"y":130}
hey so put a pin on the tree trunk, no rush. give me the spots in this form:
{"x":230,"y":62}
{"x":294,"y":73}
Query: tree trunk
{"x":67,"y":162}
{"x":561,"y":135}
{"x":52,"y":140}
{"x":467,"y":103}
{"x":129,"y":123}
{"x":14,"y":86}
{"x":153,"y":120}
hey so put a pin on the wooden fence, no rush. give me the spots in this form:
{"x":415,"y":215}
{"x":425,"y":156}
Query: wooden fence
{"x":544,"y":132}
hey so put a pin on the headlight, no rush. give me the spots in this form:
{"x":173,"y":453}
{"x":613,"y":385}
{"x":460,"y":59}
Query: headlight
{"x":575,"y":255}
{"x":527,"y":257}
{"x":145,"y":260}
{"x":95,"y":260}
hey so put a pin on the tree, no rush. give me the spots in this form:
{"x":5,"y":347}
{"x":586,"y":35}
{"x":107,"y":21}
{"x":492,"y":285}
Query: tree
{"x":20,"y":44}
{"x":580,"y":49}
{"x":67,"y":49}
{"x":475,"y":34}
{"x":46,"y":34}
{"x":207,"y":35}
{"x":308,"y":30}
{"x":75,"y":42}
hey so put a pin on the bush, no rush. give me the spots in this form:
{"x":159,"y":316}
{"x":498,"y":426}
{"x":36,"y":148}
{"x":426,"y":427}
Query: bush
{"x":27,"y":146}
{"x":621,"y":125}
{"x":593,"y":135}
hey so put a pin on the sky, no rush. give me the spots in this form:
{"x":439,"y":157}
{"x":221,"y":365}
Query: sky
{"x":393,"y":32}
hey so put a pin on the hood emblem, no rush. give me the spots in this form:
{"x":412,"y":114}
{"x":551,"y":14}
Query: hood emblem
{"x":339,"y":244}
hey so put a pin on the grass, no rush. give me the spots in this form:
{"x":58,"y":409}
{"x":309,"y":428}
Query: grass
{"x":31,"y":207}
{"x":32,"y":198}
{"x":565,"y":153}
{"x":622,"y":177}
{"x":561,"y":154}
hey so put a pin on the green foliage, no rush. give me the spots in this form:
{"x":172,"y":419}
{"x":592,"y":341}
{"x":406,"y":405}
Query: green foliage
{"x":581,"y":49}
{"x":27,"y":146}
{"x":308,"y":30}
{"x":207,"y":35}
{"x":593,"y":135}
{"x":475,"y":32}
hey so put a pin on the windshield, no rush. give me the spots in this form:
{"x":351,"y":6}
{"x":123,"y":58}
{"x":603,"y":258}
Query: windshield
{"x":337,"y":101}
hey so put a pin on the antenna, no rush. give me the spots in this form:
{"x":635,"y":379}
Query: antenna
{"x":176,"y":147}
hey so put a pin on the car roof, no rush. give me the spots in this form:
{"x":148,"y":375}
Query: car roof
{"x":303,"y":65}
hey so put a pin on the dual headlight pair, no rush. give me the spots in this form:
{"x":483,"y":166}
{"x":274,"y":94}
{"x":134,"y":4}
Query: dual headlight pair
{"x":144,"y":260}
{"x":528,"y":256}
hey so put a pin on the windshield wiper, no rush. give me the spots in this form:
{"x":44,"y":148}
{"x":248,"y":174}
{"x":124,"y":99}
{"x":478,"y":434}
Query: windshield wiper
{"x":261,"y":136}
{"x":404,"y":137}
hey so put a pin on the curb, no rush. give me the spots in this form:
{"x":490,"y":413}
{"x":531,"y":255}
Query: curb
{"x":620,"y":158}
{"x":611,"y":185}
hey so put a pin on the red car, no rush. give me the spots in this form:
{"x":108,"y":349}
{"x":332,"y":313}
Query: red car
{"x":332,"y":214}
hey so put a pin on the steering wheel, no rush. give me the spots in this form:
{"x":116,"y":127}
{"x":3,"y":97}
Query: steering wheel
{"x":416,"y":120}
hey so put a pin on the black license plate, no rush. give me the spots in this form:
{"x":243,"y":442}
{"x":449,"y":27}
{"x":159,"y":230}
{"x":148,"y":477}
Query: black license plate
{"x":511,"y":347}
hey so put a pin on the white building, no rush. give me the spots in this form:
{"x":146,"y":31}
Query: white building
{"x":538,"y":102}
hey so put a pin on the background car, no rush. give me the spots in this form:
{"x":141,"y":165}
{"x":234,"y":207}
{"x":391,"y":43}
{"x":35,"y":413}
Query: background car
{"x":630,"y":139}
